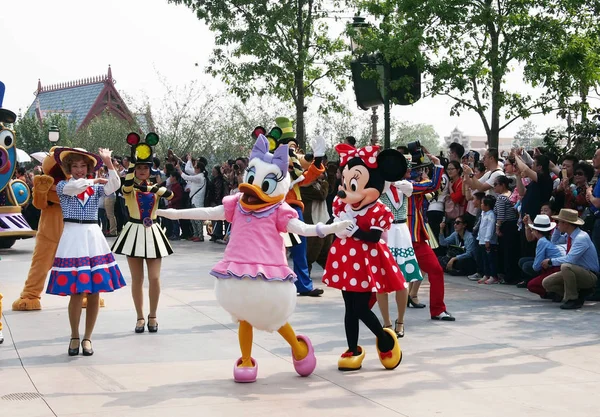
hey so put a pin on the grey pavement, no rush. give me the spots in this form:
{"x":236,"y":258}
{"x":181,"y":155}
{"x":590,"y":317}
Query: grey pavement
{"x":508,"y":354}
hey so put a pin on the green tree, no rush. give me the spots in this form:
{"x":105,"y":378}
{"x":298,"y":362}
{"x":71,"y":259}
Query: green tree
{"x":405,"y":132}
{"x":279,"y":48}
{"x":336,"y":126}
{"x":105,"y":131}
{"x":566,"y":64}
{"x":526,"y":135}
{"x":468,"y":47}
{"x":32,"y":136}
{"x":214,"y":125}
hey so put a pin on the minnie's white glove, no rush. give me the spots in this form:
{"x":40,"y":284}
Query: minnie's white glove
{"x":348,"y":231}
{"x":339,"y":227}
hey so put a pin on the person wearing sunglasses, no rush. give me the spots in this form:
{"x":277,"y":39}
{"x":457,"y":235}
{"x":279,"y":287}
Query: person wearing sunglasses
{"x":575,"y":195}
{"x":460,"y":257}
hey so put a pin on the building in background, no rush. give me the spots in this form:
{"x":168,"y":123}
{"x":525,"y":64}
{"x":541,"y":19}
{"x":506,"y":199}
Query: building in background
{"x":83,"y":100}
{"x":476,"y":143}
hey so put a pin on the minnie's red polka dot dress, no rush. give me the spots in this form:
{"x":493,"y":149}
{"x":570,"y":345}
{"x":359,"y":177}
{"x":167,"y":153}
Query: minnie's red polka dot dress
{"x":359,"y":266}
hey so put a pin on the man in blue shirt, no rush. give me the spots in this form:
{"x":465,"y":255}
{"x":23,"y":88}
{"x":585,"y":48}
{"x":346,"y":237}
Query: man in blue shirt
{"x":578,"y":268}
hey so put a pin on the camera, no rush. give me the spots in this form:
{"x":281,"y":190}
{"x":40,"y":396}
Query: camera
{"x":416,"y":152}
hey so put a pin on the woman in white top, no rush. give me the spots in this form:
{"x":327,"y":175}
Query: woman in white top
{"x":196,"y":180}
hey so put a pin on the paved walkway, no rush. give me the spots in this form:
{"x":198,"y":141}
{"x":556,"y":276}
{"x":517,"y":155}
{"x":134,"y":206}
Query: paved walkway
{"x":508,"y":354}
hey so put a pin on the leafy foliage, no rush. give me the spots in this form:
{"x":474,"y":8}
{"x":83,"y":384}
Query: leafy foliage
{"x":526,"y":135}
{"x":404,"y":132}
{"x":33,"y":136}
{"x":468,"y":47}
{"x":105,"y":131}
{"x":279,"y":48}
{"x":566,"y":61}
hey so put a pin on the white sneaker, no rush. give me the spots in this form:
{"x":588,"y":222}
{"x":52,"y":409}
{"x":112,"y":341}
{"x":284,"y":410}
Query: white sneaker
{"x":475,"y":277}
{"x":1,"y":337}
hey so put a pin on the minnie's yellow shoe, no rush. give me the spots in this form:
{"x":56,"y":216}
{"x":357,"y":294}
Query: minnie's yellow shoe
{"x":349,"y":362}
{"x":392,"y":358}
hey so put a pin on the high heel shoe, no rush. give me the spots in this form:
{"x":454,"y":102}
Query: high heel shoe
{"x":87,"y":352}
{"x":399,"y":333}
{"x":73,"y":351}
{"x":152,"y":329}
{"x":140,"y":329}
{"x":414,"y":304}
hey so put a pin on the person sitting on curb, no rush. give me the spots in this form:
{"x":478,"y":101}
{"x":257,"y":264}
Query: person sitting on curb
{"x":461,"y":249}
{"x":578,"y":268}
{"x":541,"y":228}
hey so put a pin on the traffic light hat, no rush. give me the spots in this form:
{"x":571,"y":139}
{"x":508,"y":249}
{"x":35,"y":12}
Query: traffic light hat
{"x":273,"y":136}
{"x":142,"y":152}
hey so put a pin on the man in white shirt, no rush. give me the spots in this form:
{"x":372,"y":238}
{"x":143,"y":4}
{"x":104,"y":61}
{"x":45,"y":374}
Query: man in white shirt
{"x":486,"y":182}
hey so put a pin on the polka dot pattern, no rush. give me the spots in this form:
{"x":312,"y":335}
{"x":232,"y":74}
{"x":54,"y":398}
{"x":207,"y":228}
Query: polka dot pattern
{"x":360,"y":266}
{"x":85,"y":275}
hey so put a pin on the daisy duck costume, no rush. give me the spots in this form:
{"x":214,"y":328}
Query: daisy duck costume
{"x":254,"y":282}
{"x":360,"y":263}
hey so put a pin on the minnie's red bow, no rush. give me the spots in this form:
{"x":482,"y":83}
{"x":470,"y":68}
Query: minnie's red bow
{"x":368,"y":154}
{"x":89,"y":191}
{"x":386,"y":355}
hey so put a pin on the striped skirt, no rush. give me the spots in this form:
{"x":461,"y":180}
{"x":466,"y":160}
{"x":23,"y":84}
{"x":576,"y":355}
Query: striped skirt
{"x":138,"y":241}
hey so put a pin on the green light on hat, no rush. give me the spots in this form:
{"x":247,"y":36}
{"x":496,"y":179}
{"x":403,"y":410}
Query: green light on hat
{"x":152,"y":139}
{"x":275,"y":133}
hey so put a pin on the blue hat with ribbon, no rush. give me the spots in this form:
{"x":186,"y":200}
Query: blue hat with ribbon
{"x":6,"y":116}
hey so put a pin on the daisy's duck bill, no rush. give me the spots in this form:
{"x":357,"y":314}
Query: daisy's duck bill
{"x":266,"y":181}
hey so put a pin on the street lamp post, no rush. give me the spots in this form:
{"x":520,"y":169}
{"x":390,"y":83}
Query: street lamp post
{"x":358,"y":26}
{"x":374,"y":120}
{"x":371,"y":93}
{"x":53,"y":134}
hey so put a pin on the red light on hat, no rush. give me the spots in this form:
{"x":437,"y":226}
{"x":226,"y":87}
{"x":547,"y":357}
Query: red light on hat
{"x":133,"y":138}
{"x":258,"y":131}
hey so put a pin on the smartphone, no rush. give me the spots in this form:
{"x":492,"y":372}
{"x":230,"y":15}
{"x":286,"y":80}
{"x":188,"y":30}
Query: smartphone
{"x":564,"y":173}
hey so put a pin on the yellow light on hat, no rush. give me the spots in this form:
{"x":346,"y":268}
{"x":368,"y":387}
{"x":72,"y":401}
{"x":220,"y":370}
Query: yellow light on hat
{"x":143,"y":151}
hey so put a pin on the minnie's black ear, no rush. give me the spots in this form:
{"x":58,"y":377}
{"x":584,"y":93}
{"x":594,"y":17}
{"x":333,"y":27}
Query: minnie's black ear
{"x":391,"y":164}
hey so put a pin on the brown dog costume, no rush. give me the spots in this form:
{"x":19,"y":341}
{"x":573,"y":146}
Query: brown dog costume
{"x":50,"y":229}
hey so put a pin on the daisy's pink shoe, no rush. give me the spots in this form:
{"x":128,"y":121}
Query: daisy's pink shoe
{"x":245,"y":373}
{"x":305,"y":366}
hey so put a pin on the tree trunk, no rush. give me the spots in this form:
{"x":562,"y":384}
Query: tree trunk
{"x":299,"y":75}
{"x":495,"y":64}
{"x":300,"y":134}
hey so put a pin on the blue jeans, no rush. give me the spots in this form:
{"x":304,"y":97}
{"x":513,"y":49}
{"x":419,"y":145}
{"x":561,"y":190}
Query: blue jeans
{"x":303,"y":283}
{"x":526,"y":265}
{"x":490,"y":261}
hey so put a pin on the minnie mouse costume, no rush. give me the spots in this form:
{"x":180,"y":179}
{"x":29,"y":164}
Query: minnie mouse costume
{"x":360,"y":263}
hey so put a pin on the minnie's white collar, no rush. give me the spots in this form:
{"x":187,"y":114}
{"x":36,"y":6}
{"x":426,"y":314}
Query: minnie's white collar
{"x":353,"y":213}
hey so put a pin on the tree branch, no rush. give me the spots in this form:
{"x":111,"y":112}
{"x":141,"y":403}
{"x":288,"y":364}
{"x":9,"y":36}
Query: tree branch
{"x":478,"y":110}
{"x":519,"y":116}
{"x":325,"y":74}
